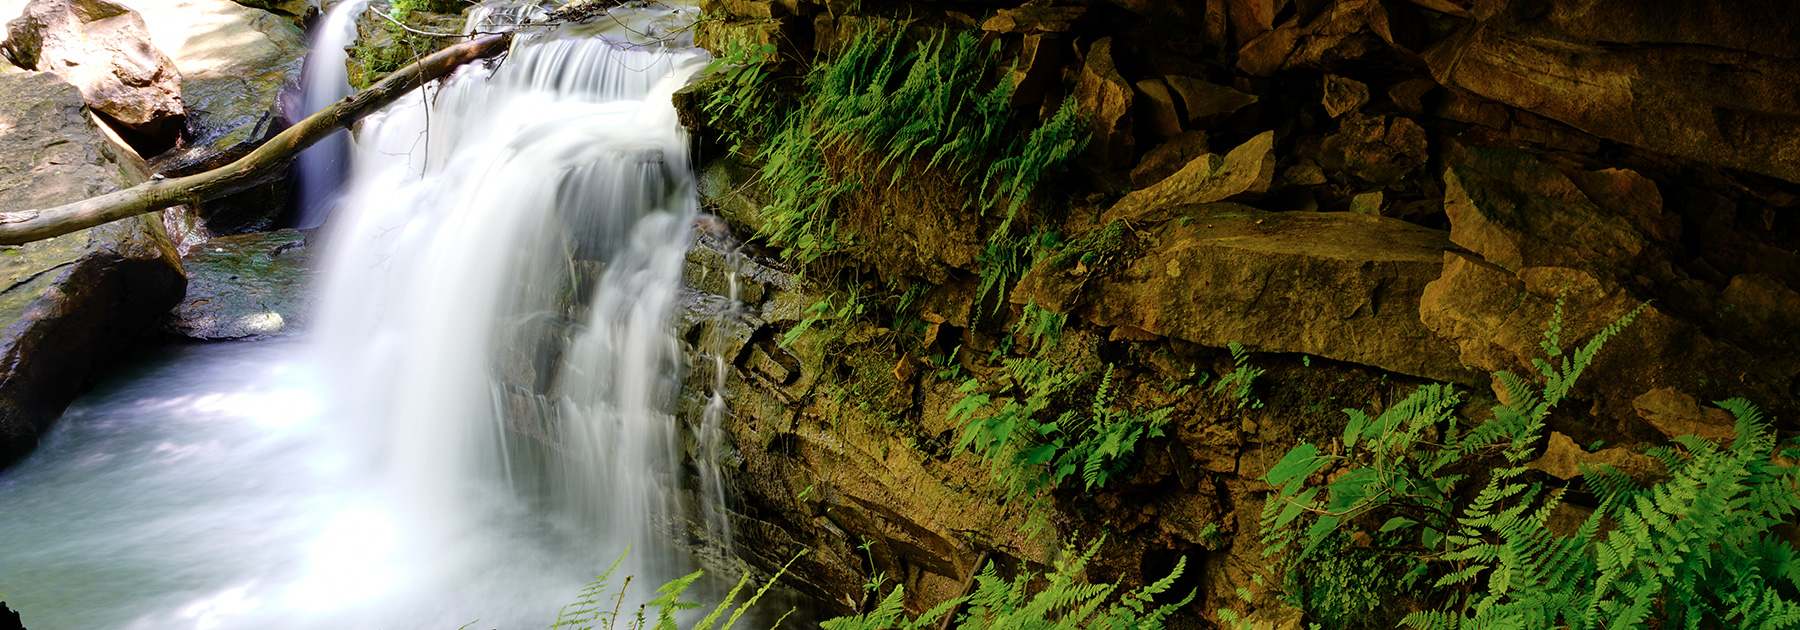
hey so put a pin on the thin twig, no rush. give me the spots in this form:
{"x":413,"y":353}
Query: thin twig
{"x":398,"y":23}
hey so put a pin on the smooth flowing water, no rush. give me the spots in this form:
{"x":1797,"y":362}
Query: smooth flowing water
{"x":479,"y":424}
{"x":320,"y":170}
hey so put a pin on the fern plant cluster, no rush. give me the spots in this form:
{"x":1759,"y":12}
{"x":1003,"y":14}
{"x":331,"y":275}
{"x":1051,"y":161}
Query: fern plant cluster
{"x":600,"y":608}
{"x":906,"y":106}
{"x":1453,"y":507}
{"x":1029,"y":450}
{"x":1059,"y":600}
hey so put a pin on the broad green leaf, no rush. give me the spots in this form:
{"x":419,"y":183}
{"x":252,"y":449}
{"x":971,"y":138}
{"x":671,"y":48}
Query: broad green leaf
{"x":1301,"y":462}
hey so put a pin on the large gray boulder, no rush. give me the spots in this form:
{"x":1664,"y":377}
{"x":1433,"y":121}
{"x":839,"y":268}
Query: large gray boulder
{"x":104,"y":49}
{"x":71,"y":303}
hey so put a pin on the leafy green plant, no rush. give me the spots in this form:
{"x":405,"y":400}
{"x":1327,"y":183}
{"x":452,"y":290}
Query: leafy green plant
{"x":1061,"y":602}
{"x":1694,"y":549}
{"x":1027,"y":452}
{"x":829,"y":309}
{"x":598,"y":609}
{"x":897,"y":104}
{"x":1240,"y":382}
{"x":1042,"y":326}
{"x":400,"y":8}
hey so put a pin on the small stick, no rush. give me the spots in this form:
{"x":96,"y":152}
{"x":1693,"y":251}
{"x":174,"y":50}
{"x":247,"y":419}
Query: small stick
{"x":968,"y":584}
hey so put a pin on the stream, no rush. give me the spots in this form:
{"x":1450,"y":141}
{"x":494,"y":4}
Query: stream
{"x":480,"y":422}
{"x":206,"y":487}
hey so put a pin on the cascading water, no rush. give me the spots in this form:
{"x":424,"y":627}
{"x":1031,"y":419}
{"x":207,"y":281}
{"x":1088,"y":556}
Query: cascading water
{"x":487,"y":423}
{"x":460,"y":286}
{"x":319,"y":170}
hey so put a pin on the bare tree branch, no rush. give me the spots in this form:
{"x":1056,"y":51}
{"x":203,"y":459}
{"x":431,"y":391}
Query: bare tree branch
{"x":259,"y":166}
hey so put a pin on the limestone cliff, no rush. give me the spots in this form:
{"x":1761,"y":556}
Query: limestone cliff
{"x":1368,"y":195}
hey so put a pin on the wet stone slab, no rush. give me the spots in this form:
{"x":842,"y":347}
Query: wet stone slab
{"x":246,"y":286}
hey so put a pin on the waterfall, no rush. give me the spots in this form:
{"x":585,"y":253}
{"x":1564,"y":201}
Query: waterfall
{"x":481,"y":419}
{"x":503,"y":269}
{"x":319,"y":171}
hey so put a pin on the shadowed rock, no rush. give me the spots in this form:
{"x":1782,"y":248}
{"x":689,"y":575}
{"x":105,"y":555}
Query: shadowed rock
{"x":1339,"y":285}
{"x":70,"y":303}
{"x":1249,"y":168}
{"x":235,"y":63}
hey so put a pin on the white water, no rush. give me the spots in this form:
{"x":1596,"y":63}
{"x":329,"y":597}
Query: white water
{"x":479,"y":424}
{"x":320,"y":170}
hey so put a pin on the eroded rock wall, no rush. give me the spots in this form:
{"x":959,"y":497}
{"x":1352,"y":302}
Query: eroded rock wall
{"x":1368,"y":195}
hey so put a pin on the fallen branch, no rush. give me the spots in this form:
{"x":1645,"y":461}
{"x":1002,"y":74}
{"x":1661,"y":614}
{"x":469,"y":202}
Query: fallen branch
{"x":25,"y":226}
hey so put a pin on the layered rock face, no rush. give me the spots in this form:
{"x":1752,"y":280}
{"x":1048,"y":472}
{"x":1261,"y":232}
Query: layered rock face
{"x":1366,"y":194}
{"x":71,"y":303}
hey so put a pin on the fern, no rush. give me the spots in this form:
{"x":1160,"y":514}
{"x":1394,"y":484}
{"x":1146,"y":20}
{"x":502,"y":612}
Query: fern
{"x":1027,"y":453}
{"x":1058,"y":600}
{"x":588,"y":609}
{"x":1694,"y":550}
{"x":1042,"y":326}
{"x":1242,"y":378}
{"x":596,"y":608}
{"x":899,"y":105}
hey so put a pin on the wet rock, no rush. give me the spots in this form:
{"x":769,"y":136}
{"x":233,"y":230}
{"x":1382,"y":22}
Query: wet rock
{"x":246,"y":286}
{"x":74,"y":302}
{"x":1409,"y":95}
{"x":1106,"y":97}
{"x":1474,"y":111}
{"x":782,"y":33}
{"x":295,"y":11}
{"x":1249,"y":168}
{"x":1625,"y":193}
{"x":1715,"y":105}
{"x":1168,"y":157}
{"x":1250,"y":18}
{"x":9,"y":619}
{"x":1331,"y":284}
{"x":104,"y":49}
{"x":1763,"y":312}
{"x":235,"y":63}
{"x":1367,"y":203}
{"x":1348,"y":29}
{"x":752,"y":9}
{"x":1380,"y":150}
{"x":1771,"y":28}
{"x":1202,"y":100}
{"x":1676,"y":414}
{"x":1517,"y":212}
{"x":731,"y":188}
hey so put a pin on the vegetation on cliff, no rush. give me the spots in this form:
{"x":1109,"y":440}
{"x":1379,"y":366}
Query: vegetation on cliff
{"x":882,"y":109}
{"x":1136,"y":348}
{"x":1697,"y":547}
